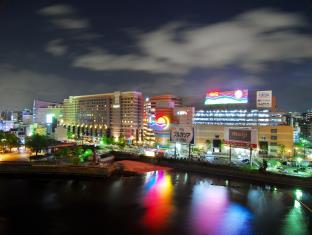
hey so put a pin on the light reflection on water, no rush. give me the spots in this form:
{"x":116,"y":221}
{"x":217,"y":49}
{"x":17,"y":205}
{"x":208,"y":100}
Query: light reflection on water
{"x":216,"y":209}
{"x":213,"y":213}
{"x":157,"y":200}
{"x":155,"y":203}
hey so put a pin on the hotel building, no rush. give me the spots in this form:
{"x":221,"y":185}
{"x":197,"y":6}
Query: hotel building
{"x":111,"y":114}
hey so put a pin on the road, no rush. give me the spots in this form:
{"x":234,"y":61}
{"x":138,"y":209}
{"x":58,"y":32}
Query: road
{"x":14,"y":157}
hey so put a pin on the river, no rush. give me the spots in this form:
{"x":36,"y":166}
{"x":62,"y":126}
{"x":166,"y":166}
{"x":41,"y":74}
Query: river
{"x":153,"y":203}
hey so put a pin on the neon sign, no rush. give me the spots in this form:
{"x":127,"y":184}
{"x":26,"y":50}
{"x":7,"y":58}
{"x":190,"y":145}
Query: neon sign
{"x":227,"y":97}
{"x":162,"y":123}
{"x":181,"y":113}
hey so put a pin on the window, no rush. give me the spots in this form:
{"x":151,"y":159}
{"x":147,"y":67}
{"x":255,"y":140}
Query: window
{"x":273,"y":137}
{"x":273,"y":130}
{"x":273,"y":144}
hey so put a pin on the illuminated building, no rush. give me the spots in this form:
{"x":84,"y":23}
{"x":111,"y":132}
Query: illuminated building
{"x":42,"y":108}
{"x":245,"y":109}
{"x":48,"y":114}
{"x":241,"y":117}
{"x":239,"y":108}
{"x":27,"y":117}
{"x":161,"y":115}
{"x":270,"y":138}
{"x":305,"y":125}
{"x":183,"y":115}
{"x":110,"y":114}
{"x":148,"y":132}
{"x":240,"y":99}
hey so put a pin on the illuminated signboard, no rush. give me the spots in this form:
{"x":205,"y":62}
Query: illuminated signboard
{"x":162,"y":123}
{"x":244,"y":137}
{"x":240,"y":135}
{"x":49,"y":118}
{"x":182,"y":134}
{"x":227,"y":97}
{"x":264,"y":99}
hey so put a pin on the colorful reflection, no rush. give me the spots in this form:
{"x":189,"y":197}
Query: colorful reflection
{"x":212,"y":212}
{"x":157,"y":200}
{"x":208,"y":207}
{"x":237,"y":220}
{"x":295,"y":222}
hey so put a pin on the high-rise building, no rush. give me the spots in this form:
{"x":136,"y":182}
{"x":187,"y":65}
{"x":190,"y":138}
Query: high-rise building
{"x":159,"y":115}
{"x":43,"y":111}
{"x":148,"y":132}
{"x":305,"y":125}
{"x":112,"y":114}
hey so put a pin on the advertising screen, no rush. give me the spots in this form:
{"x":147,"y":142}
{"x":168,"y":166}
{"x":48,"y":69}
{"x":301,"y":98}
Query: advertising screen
{"x":226,"y":97}
{"x":264,"y":99}
{"x":241,"y":136}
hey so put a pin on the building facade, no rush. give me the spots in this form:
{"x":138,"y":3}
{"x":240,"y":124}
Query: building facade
{"x":159,"y":116}
{"x":110,"y":114}
{"x":272,"y":139}
{"x":240,"y":117}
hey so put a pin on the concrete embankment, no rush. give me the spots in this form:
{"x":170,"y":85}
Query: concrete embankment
{"x":223,"y":171}
{"x":58,"y":171}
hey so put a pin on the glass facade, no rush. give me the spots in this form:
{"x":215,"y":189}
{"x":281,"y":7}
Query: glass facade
{"x":238,"y":118}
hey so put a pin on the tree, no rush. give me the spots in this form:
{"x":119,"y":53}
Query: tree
{"x":121,"y":141}
{"x":37,"y":143}
{"x":2,"y":140}
{"x":12,"y":141}
{"x":208,"y":144}
{"x":282,"y":150}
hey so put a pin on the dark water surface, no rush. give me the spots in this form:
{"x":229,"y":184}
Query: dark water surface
{"x":156,"y":203}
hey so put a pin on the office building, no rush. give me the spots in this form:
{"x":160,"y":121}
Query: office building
{"x":241,"y":117}
{"x":111,"y":114}
{"x":270,"y":140}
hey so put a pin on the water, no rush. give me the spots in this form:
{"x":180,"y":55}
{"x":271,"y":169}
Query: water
{"x":155,"y":203}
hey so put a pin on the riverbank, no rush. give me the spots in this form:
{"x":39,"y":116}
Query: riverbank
{"x":221,"y":170}
{"x":19,"y":170}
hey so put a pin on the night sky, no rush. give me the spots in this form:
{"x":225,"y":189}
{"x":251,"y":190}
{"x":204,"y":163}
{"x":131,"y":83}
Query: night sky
{"x":53,"y":49}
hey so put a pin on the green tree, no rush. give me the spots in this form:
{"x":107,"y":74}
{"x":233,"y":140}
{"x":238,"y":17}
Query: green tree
{"x":2,"y":140}
{"x":37,"y":143}
{"x":208,"y":144}
{"x":121,"y":141}
{"x":282,"y":150}
{"x":12,"y":141}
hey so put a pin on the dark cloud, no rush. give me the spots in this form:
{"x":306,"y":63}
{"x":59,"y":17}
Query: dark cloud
{"x":250,"y":40}
{"x":52,"y":52}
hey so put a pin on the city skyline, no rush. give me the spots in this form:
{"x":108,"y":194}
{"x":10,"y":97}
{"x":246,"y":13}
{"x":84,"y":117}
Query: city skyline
{"x":75,"y":48}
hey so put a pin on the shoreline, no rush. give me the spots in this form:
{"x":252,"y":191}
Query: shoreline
{"x":117,"y":169}
{"x":222,"y":171}
{"x":58,"y":171}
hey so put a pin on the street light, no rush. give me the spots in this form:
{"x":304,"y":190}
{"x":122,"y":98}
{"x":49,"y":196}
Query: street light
{"x":299,"y":160}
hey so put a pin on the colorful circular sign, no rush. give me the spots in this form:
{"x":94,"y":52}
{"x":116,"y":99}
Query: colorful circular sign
{"x":163,"y":122}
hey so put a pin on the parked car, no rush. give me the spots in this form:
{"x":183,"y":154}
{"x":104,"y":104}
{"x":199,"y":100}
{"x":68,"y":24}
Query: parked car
{"x":245,"y":160}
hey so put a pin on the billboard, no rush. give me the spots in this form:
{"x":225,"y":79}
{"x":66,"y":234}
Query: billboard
{"x":264,"y":99}
{"x":161,"y":123}
{"x":226,"y":97}
{"x":183,"y":115}
{"x":241,"y":136}
{"x":49,"y":118}
{"x":182,"y":134}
